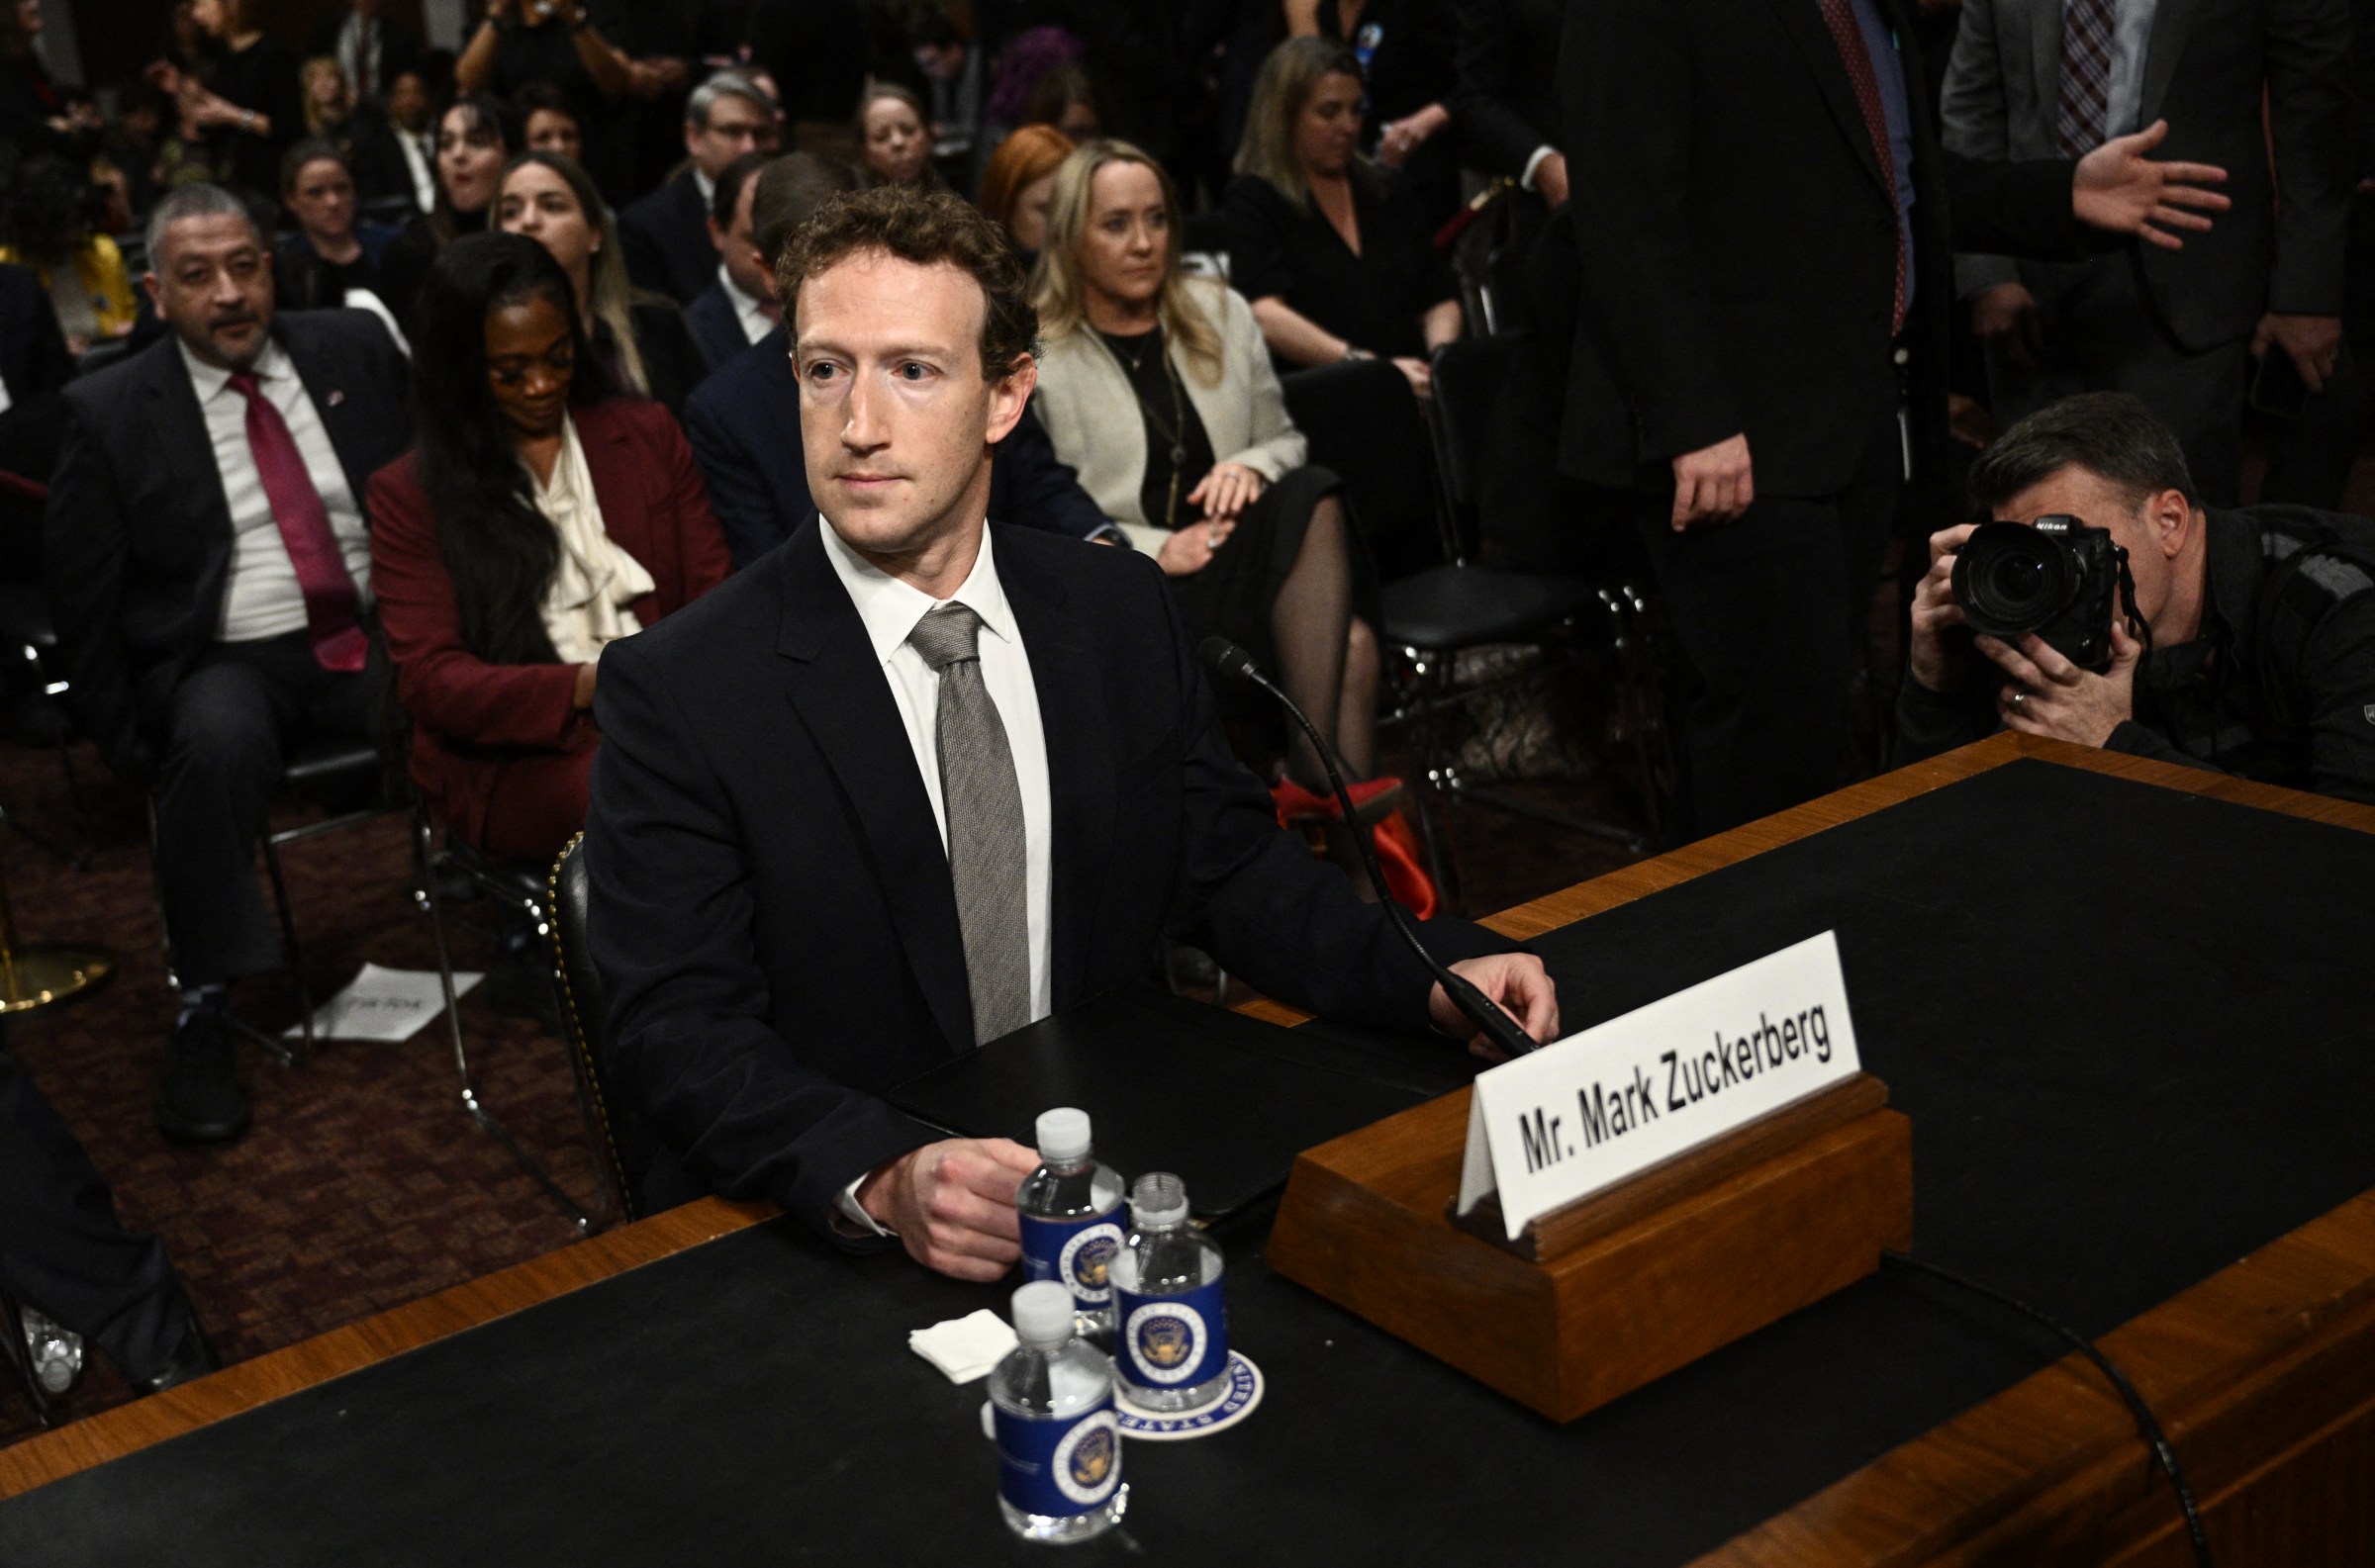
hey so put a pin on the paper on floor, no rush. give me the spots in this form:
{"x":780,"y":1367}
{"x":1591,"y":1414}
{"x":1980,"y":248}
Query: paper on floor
{"x":384,"y":1004}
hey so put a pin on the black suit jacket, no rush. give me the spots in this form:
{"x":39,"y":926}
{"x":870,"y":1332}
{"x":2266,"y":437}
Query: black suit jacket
{"x":716,"y":328}
{"x":771,"y":904}
{"x":33,"y":365}
{"x":1506,"y":103}
{"x":1738,"y":247}
{"x":398,"y":47}
{"x":667,"y":238}
{"x":744,"y":426}
{"x":137,"y":545}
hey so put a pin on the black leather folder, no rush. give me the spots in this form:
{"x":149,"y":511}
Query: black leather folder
{"x":1224,"y":1101}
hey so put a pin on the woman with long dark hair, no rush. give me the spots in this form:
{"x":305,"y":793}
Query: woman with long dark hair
{"x":474,"y":138}
{"x":536,"y":519}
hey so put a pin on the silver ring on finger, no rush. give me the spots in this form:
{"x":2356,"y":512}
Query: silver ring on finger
{"x":2021,"y":696}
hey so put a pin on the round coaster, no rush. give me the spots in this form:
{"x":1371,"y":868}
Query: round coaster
{"x":1236,"y":1402}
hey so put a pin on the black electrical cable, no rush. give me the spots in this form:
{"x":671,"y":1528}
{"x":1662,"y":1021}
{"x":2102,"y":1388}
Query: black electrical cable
{"x":2155,"y":1437}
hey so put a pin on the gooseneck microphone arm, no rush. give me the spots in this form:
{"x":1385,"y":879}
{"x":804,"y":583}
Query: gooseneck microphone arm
{"x":1232,"y":663}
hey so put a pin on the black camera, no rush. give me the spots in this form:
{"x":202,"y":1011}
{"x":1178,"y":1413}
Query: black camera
{"x":2056,"y":577}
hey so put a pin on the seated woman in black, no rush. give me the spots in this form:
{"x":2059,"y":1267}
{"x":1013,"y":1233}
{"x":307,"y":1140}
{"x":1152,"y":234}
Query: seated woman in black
{"x":1319,"y":240}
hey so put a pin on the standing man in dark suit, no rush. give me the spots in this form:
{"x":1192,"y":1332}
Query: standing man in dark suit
{"x":2045,"y":78}
{"x":667,"y":233}
{"x":736,"y":420}
{"x":737,"y":309}
{"x":916,"y":781}
{"x":1762,"y":211}
{"x":208,"y":565}
{"x":372,"y":48}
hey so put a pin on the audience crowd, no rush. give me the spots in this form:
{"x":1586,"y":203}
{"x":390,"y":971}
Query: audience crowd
{"x":377,"y":387}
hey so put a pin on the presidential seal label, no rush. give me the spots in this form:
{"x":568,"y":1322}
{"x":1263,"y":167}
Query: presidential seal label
{"x":1166,"y":1340}
{"x":1086,"y":1465}
{"x":1086,"y":1260}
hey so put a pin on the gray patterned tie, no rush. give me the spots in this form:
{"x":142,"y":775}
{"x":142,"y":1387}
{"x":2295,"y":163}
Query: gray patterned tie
{"x":986,"y":856}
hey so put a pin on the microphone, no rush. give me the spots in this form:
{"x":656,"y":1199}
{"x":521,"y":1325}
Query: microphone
{"x":1232,"y":663}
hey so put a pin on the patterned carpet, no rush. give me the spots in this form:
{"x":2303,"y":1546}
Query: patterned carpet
{"x":363,"y":1184}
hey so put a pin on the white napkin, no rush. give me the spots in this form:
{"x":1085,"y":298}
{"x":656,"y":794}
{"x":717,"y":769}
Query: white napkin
{"x":965,"y":1347}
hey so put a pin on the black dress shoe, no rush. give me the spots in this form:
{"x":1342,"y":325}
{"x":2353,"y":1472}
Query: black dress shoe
{"x":193,"y":1359}
{"x":201,"y":1102}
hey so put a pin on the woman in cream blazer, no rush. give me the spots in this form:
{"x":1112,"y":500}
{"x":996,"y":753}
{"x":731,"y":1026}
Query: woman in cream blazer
{"x":1157,"y":389}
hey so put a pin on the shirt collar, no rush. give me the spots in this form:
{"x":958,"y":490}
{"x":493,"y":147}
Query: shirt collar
{"x":210,"y":380}
{"x":747,"y":307}
{"x":706,"y":186}
{"x":891,"y":608}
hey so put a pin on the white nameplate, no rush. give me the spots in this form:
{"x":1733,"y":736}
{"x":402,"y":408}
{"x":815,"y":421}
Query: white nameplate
{"x":1585,"y":1112}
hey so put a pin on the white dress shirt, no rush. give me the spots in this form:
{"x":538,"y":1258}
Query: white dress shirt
{"x":262,"y":598}
{"x":415,"y":163}
{"x":752,"y":313}
{"x":890,"y":610}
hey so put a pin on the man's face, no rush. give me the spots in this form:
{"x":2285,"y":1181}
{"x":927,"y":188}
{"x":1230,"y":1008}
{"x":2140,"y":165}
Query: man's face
{"x":213,"y":285}
{"x":2155,"y":530}
{"x":407,"y":102}
{"x":740,"y":252}
{"x":734,"y":127}
{"x":323,"y":200}
{"x":894,"y":414}
{"x":552,"y":130}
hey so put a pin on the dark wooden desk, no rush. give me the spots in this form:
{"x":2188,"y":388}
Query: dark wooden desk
{"x":2263,"y":1374}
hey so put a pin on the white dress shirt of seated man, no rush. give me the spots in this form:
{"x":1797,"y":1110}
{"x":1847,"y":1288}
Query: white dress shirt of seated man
{"x":901,"y":408}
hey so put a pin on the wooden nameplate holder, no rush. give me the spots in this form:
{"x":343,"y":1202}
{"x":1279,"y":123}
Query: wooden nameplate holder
{"x":1622,"y":1286}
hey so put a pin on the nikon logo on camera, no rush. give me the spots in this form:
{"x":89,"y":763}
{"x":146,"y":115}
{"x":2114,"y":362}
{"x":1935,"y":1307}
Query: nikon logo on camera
{"x":2055,"y":578}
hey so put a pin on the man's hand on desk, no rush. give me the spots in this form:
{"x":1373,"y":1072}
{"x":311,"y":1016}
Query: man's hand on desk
{"x":1518,"y":983}
{"x":952,"y":1204}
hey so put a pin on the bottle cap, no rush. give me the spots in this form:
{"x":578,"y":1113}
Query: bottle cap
{"x":1063,"y":1134}
{"x":1159,"y":1199}
{"x":1043,"y":1312}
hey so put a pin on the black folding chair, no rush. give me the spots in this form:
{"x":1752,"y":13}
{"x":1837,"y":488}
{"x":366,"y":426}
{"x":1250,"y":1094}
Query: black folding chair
{"x":622,"y":1144}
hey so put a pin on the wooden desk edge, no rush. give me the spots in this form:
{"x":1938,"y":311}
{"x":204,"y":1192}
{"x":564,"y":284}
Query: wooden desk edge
{"x":126,"y":1428}
{"x":111,"y":1434}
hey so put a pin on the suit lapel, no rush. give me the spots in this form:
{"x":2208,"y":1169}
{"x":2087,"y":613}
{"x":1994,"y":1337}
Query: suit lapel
{"x":1803,"y":20}
{"x":618,"y":488}
{"x":342,"y":415}
{"x":1079,"y":764}
{"x":844,"y":699}
{"x":182,"y":437}
{"x":2171,"y":22}
{"x":2043,"y":21}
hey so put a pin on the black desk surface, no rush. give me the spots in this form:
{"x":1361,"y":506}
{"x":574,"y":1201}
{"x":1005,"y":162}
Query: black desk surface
{"x":2126,"y":1022}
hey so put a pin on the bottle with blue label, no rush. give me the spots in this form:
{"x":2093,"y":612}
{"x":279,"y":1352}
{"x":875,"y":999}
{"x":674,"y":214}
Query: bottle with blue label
{"x":1170,"y":1331}
{"x":1071,"y":1212}
{"x":1051,"y":1410}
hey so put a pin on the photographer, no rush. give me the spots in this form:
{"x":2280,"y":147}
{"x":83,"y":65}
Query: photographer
{"x":2261,"y":658}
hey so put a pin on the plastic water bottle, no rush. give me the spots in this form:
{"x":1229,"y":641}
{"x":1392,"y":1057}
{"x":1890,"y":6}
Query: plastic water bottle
{"x":1172,"y":1331}
{"x":1070,"y":1211}
{"x":1051,"y":1410}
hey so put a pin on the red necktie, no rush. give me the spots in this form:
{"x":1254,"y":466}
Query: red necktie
{"x":332,"y":608}
{"x":1844,"y":32}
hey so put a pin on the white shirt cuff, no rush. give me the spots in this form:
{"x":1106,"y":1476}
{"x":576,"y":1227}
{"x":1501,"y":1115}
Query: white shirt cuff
{"x":1524,"y":181}
{"x":854,"y":1220}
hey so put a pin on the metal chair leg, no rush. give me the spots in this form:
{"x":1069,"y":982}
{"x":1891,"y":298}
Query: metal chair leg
{"x":294,"y":953}
{"x":421,"y":846}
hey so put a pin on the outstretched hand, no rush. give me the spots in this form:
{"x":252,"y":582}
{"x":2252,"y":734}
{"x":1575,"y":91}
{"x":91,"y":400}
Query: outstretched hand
{"x":2121,"y":191}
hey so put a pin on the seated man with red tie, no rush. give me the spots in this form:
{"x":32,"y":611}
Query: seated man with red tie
{"x":207,"y":563}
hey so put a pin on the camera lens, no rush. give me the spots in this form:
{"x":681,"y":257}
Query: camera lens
{"x":2010,"y":578}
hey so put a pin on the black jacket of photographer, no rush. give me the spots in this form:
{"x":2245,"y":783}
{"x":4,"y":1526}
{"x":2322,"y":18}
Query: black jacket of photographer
{"x":2278,"y":687}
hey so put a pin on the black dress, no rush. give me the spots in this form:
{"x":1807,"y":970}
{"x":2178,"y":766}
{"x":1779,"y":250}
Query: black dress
{"x":1374,"y":299}
{"x":1234,"y":594}
{"x":672,"y":362}
{"x":261,"y":77}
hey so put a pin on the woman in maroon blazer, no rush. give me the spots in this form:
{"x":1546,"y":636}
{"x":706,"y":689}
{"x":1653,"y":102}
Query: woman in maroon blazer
{"x":537,"y":521}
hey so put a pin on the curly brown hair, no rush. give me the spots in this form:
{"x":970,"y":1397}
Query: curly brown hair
{"x":929,"y":229}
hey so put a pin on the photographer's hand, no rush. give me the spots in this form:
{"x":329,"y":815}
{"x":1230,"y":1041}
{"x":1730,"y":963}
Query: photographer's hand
{"x":2050,"y":697}
{"x":1936,"y":659}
